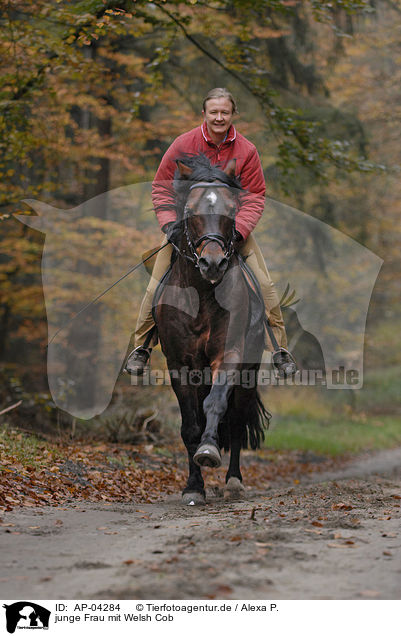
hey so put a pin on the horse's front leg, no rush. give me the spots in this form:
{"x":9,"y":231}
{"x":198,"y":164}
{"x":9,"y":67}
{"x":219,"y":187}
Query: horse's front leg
{"x":214,"y":408}
{"x":234,"y":488}
{"x":191,"y":432}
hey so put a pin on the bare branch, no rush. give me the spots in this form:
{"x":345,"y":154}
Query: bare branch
{"x":10,"y":408}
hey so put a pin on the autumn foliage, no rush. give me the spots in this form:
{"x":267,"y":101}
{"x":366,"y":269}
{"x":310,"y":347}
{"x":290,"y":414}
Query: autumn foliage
{"x":93,"y":92}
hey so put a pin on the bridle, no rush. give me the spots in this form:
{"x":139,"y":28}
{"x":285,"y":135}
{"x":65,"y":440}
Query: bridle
{"x":226,"y":246}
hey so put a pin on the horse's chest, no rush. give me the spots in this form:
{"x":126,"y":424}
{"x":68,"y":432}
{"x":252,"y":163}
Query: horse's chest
{"x":210,"y":328}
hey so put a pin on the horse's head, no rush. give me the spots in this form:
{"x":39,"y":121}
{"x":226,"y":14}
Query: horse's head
{"x":208,"y":202}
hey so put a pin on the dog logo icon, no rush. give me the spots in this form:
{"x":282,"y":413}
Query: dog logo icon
{"x":26,"y":615}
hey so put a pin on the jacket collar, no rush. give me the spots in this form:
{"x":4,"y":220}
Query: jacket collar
{"x":231,"y":134}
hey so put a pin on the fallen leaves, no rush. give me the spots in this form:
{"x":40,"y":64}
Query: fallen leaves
{"x":57,"y":474}
{"x":223,"y":590}
{"x":344,"y":544}
{"x":104,"y":472}
{"x":342,"y":506}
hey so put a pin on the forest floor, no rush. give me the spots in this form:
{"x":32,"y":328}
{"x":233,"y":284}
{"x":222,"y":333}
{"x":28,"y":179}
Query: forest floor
{"x":309,"y":528}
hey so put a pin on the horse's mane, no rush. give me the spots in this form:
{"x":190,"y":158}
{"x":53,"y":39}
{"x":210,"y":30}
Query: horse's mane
{"x":202,"y":170}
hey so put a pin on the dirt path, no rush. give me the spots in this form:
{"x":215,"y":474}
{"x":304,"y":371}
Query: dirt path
{"x":332,"y":536}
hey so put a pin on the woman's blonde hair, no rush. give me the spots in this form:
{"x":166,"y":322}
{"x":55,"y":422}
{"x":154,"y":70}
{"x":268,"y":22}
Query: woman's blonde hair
{"x":216,"y":93}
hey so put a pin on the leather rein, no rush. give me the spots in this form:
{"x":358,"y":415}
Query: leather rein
{"x":226,"y":246}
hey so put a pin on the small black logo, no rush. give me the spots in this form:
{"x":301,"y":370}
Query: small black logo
{"x":26,"y":615}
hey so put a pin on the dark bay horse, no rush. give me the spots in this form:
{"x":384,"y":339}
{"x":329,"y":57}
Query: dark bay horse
{"x":210,"y":323}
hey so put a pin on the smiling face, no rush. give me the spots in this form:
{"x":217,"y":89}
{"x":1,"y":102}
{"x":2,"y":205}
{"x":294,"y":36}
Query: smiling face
{"x":218,"y":115}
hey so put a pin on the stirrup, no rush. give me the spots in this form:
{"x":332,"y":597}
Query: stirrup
{"x":139,"y":356}
{"x":287,"y":367}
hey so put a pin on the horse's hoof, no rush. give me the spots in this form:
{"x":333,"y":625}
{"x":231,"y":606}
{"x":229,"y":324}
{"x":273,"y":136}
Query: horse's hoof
{"x":193,"y":499}
{"x":208,"y":455}
{"x":234,"y":489}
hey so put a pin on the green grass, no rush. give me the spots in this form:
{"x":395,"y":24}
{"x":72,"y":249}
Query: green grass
{"x":335,"y":436}
{"x":337,"y":422}
{"x":120,"y":461}
{"x":381,"y":390}
{"x":26,"y":449}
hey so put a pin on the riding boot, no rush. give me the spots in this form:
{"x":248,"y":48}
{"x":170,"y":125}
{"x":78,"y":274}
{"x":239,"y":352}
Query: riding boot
{"x":137,"y":361}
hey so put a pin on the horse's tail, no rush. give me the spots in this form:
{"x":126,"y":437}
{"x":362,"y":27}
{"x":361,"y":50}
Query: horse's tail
{"x":258,"y":421}
{"x":255,"y":419}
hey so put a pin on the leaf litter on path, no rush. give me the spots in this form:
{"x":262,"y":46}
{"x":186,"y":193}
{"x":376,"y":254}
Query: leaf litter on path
{"x":59,"y":473}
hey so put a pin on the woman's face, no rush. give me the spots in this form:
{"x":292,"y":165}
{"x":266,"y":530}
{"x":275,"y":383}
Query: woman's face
{"x":218,"y":115}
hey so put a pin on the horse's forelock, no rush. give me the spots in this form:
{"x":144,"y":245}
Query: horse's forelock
{"x":202,"y":170}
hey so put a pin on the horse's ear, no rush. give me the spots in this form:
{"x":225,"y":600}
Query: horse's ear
{"x":185,"y":171}
{"x":230,"y":168}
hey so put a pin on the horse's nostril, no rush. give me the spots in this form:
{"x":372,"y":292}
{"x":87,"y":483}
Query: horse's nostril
{"x":203,"y":264}
{"x":223,"y":264}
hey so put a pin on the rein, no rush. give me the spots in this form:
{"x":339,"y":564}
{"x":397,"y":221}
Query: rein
{"x":226,"y":246}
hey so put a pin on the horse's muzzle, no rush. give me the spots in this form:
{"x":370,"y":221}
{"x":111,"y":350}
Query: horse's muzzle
{"x":212,"y":268}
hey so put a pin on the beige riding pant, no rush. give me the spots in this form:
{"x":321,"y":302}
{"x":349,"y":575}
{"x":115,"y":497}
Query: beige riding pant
{"x":254,"y":259}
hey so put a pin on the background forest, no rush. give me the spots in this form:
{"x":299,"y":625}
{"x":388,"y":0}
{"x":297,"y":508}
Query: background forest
{"x":93,"y":92}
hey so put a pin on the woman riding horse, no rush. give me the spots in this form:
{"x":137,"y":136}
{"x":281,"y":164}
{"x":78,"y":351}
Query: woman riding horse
{"x":220,"y":142}
{"x":209,"y":315}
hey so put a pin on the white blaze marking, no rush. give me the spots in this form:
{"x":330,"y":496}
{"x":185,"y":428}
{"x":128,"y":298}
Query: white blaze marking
{"x":212,"y":198}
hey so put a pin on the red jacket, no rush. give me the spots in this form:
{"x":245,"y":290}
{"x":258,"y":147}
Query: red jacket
{"x":248,"y":168}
